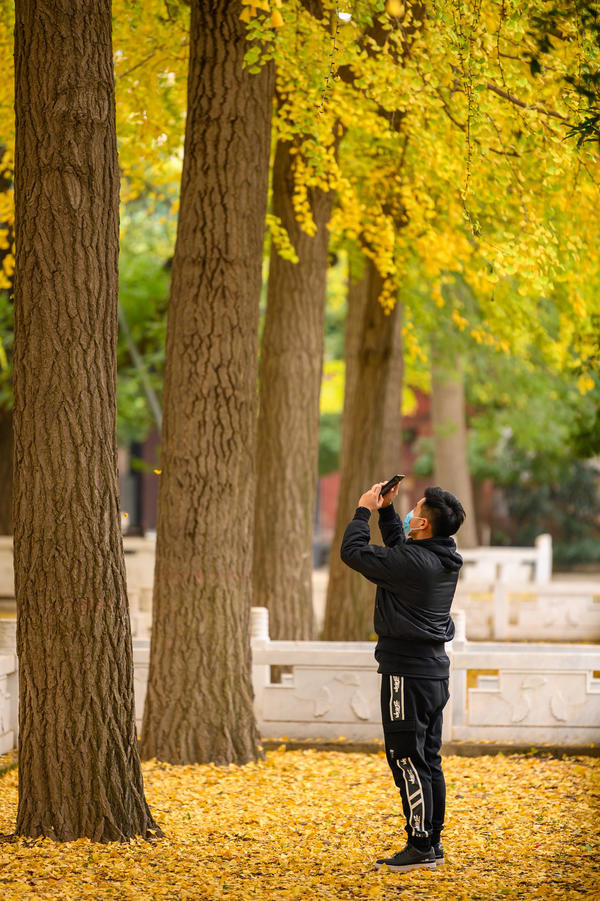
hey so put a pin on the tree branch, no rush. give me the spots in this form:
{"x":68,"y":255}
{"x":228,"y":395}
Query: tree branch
{"x":142,"y":369}
{"x":521,"y":103}
{"x":461,"y":125}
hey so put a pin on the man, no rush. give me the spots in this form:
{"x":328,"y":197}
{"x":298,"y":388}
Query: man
{"x":416,"y":579}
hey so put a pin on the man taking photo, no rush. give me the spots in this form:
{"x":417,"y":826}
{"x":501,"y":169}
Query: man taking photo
{"x":416,"y":575}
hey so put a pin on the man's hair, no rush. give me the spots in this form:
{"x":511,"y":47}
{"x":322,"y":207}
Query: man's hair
{"x":443,"y":510}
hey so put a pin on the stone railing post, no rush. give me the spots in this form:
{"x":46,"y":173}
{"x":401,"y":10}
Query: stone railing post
{"x":8,"y":636}
{"x":543,"y":569}
{"x":144,"y":612}
{"x":454,"y":713}
{"x":261,"y":674}
{"x":448,"y":709}
{"x":7,"y":574}
{"x":460,"y":626}
{"x":501,"y":613}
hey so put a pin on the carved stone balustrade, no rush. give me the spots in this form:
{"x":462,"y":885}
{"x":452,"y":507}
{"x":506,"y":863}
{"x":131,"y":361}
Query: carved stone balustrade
{"x":512,"y":611}
{"x":508,"y":564}
{"x":499,"y":691}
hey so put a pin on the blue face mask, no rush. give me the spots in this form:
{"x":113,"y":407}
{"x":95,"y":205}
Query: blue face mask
{"x":407,"y":520}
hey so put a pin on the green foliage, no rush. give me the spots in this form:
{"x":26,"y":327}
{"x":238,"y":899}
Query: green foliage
{"x":586,"y":438}
{"x":560,"y":496}
{"x":424,"y":462}
{"x":575,"y":552}
{"x":335,"y":309}
{"x":330,"y":441}
{"x":575,"y":21}
{"x":334,"y":368}
{"x":526,"y":436}
{"x":146,"y":250}
{"x":520,"y":401}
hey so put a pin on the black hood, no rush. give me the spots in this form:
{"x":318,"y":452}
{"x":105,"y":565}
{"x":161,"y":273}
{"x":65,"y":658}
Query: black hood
{"x":444,"y":548}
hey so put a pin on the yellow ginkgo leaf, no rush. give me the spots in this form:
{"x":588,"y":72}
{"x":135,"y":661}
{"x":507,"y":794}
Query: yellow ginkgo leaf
{"x":395,"y":8}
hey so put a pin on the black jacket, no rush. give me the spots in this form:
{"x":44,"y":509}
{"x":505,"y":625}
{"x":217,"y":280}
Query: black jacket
{"x":416,"y":581}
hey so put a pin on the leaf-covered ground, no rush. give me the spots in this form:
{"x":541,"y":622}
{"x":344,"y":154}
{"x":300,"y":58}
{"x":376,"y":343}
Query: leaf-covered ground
{"x":309,"y":824}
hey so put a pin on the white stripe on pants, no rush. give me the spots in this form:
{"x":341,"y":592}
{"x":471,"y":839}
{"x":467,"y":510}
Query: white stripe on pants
{"x":396,"y":698}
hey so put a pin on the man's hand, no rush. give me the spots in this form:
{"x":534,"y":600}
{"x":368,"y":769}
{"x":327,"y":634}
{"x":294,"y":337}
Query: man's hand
{"x":372,"y":499}
{"x":390,"y":496}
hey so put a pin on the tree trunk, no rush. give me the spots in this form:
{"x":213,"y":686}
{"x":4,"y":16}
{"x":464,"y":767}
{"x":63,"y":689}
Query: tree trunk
{"x":448,"y":419}
{"x":79,"y":771}
{"x":199,"y":705}
{"x":288,"y":424}
{"x":6,"y":471}
{"x":371,"y":442}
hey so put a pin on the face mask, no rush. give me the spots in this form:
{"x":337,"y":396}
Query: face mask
{"x":407,"y":520}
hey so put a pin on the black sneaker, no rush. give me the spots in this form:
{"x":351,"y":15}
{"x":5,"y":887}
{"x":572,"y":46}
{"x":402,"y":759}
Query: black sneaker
{"x":439,"y":854}
{"x":408,"y":859}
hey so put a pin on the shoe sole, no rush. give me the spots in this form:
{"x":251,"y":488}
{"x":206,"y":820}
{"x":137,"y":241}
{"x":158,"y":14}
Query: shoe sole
{"x":430,"y":865}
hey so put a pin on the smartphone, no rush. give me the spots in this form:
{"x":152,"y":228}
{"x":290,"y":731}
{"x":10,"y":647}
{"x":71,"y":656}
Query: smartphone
{"x":389,"y":485}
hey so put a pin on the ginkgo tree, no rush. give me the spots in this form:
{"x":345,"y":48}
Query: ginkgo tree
{"x":199,"y":699}
{"x":440,"y":157}
{"x":291,"y":349}
{"x":470,"y":183}
{"x":79,"y":765}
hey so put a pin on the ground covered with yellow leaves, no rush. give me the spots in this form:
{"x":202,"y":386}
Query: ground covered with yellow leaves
{"x":309,"y":824}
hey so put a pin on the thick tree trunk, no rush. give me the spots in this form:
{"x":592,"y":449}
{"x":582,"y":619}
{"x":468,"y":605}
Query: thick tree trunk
{"x":288,"y":425}
{"x":448,"y":419}
{"x":199,"y":705}
{"x":6,"y":471}
{"x":79,"y":771}
{"x":371,"y":442}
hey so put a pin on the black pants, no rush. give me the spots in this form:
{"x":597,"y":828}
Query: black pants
{"x":411,"y":713}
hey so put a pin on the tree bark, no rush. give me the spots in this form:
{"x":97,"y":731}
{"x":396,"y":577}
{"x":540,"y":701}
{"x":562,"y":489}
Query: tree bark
{"x":79,"y":770}
{"x":6,"y":471}
{"x":371,"y":442}
{"x":199,"y":705}
{"x":288,"y":424}
{"x":448,"y":419}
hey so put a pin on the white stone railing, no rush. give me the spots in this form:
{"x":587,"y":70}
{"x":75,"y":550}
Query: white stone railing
{"x":506,"y":564}
{"x":140,"y":611}
{"x":524,"y":693}
{"x":556,"y":611}
{"x":9,"y":698}
{"x":520,"y":693}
